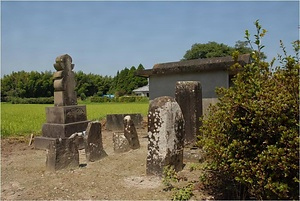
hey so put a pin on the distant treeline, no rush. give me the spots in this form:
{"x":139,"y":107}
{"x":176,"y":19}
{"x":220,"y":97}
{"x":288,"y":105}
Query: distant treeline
{"x":35,"y":84}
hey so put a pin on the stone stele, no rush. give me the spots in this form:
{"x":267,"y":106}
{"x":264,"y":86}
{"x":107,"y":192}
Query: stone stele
{"x":93,"y":142}
{"x":130,"y":133}
{"x":120,"y":142}
{"x":61,"y":154}
{"x":188,"y":95}
{"x":165,"y":136}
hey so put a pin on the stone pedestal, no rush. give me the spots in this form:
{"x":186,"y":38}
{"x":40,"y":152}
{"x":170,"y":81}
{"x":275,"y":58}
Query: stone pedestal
{"x":62,"y":122}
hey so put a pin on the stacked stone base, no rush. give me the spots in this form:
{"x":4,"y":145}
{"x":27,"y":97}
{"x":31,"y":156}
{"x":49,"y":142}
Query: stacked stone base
{"x":62,"y":122}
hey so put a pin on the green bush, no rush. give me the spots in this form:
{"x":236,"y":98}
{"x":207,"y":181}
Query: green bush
{"x":82,"y":96}
{"x":41,"y":100}
{"x":130,"y":99}
{"x":184,"y":193}
{"x":96,"y":99}
{"x":122,"y":99}
{"x":252,"y":135}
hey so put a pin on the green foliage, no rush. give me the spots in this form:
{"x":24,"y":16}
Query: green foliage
{"x":184,"y":193}
{"x":213,"y":49}
{"x":169,"y":176}
{"x":92,"y":84}
{"x":27,"y":85}
{"x":130,"y":99}
{"x":251,"y":135}
{"x":82,"y":96}
{"x":34,"y":84}
{"x":42,"y":100}
{"x":97,"y":99}
{"x":122,"y":99}
{"x":125,"y":81}
{"x":195,"y":166}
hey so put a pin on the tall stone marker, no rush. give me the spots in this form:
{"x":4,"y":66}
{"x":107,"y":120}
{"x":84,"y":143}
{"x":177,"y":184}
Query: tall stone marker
{"x":66,"y":117}
{"x":188,"y":95}
{"x":130,"y":133}
{"x":93,"y":142}
{"x":165,"y":136}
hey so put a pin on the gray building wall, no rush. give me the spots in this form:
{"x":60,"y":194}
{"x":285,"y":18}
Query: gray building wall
{"x":164,"y":85}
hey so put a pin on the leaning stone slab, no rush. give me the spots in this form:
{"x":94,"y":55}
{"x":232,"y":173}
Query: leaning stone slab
{"x":188,"y":95}
{"x":120,"y":142}
{"x":130,"y":133}
{"x":165,"y":135}
{"x":114,"y":122}
{"x":61,"y":154}
{"x":93,"y":142}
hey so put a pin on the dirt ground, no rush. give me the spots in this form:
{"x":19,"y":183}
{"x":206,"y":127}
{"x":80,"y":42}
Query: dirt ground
{"x":119,"y":176}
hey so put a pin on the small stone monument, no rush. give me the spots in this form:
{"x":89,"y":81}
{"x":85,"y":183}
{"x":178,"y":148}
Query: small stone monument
{"x":61,"y":154}
{"x":165,"y":135}
{"x":93,"y":142}
{"x":130,"y":133}
{"x":120,"y":142}
{"x":188,"y":95}
{"x":66,"y":117}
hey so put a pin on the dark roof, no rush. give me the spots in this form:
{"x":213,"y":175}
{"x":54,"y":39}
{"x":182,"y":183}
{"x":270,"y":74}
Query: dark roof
{"x":195,"y":65}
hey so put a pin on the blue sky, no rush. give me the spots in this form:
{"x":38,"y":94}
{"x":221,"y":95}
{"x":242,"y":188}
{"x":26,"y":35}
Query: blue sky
{"x":104,"y":37}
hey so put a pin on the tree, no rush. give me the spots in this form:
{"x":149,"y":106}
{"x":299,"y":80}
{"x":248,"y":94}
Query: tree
{"x":251,"y":135}
{"x":213,"y":49}
{"x":26,"y":85}
{"x":125,"y":81}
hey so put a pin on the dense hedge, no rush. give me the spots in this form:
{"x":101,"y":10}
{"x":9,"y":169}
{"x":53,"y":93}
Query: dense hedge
{"x":251,"y":136}
{"x":122,"y":99}
{"x":42,"y":100}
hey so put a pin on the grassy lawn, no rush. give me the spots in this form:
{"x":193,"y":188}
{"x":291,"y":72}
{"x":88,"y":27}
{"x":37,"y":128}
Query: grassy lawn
{"x":24,"y":119}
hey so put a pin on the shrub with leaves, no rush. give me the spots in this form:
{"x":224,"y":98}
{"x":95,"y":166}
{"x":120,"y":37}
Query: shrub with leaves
{"x":251,"y":135}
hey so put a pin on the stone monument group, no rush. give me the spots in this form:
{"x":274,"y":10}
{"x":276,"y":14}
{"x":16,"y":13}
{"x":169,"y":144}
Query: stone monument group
{"x":173,"y":123}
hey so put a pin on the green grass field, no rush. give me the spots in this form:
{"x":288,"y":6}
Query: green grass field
{"x":24,"y":119}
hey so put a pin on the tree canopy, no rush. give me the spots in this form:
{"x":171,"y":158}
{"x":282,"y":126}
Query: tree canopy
{"x":214,"y":49}
{"x":40,"y":84}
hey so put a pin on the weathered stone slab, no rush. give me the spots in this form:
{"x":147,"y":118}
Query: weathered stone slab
{"x":61,"y":154}
{"x":93,"y":142}
{"x":114,"y":122}
{"x":63,"y":130}
{"x":188,"y":95}
{"x":66,"y":114}
{"x":120,"y":142}
{"x":130,"y":133}
{"x":165,"y":135}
